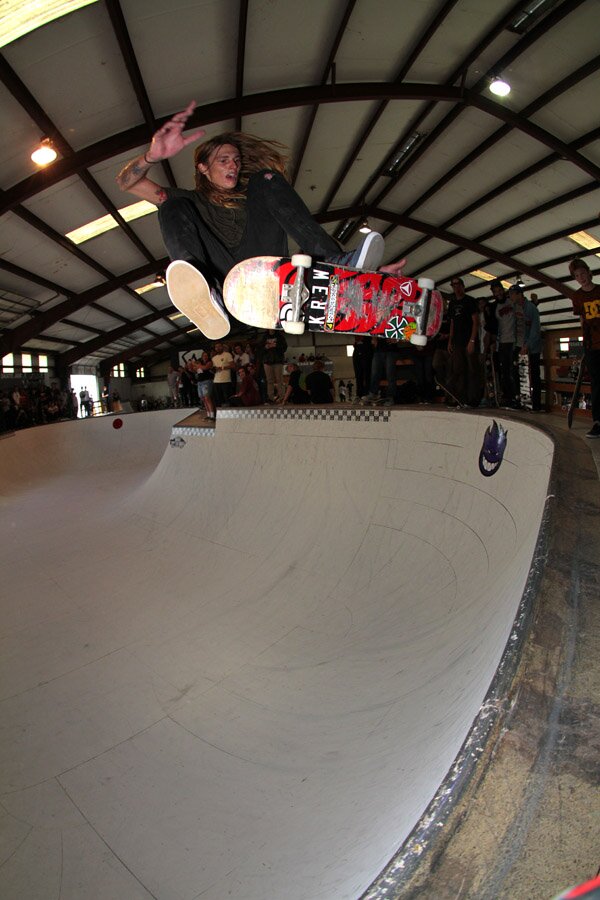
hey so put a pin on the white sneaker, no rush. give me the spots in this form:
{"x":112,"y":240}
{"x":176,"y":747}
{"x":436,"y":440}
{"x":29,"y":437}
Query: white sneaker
{"x":190,"y":293}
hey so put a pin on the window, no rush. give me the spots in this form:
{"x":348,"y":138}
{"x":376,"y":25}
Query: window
{"x":119,"y":371}
{"x":26,"y":365}
{"x":43,"y":363}
{"x":8,"y":364}
{"x":140,"y":372}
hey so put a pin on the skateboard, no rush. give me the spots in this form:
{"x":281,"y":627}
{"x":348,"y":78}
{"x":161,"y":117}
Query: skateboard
{"x":458,"y":404}
{"x":295,"y":293}
{"x":491,"y":380}
{"x":524,"y":382}
{"x":574,"y":403}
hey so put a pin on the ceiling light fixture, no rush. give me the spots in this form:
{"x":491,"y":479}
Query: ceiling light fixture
{"x":44,"y":153}
{"x":499,"y":86}
{"x":530,"y":14}
{"x":364,"y":227}
{"x":345,"y":230}
{"x":399,"y":157}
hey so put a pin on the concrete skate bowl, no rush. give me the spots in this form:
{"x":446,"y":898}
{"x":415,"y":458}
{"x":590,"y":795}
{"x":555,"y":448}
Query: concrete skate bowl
{"x":240,"y":666}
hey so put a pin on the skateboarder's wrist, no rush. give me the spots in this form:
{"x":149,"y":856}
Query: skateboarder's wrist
{"x":150,"y":162}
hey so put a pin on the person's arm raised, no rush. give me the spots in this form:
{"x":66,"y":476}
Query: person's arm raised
{"x":166,"y":142}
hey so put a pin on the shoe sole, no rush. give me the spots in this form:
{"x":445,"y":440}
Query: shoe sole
{"x":190,"y":294}
{"x":371,"y":252}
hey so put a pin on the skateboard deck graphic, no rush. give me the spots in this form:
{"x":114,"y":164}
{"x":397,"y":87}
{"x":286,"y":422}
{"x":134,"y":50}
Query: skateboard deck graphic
{"x":574,"y":403}
{"x":524,"y":381}
{"x":334,"y":300}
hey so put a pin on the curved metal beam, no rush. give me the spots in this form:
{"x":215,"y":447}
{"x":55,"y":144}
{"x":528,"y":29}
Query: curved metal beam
{"x":12,"y":340}
{"x":533,"y":131}
{"x":448,"y":236}
{"x":217,"y":112}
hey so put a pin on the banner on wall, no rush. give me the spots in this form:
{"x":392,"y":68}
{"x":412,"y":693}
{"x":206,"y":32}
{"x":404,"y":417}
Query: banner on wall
{"x":187,"y":355}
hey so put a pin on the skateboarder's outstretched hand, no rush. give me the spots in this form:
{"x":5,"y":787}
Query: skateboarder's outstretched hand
{"x":394,"y":268}
{"x":169,"y":140}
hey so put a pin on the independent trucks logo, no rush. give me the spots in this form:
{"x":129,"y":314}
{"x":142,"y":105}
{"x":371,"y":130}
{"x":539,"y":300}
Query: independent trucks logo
{"x":396,"y":328}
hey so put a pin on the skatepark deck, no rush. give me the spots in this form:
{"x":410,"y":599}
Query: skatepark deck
{"x":240,"y":664}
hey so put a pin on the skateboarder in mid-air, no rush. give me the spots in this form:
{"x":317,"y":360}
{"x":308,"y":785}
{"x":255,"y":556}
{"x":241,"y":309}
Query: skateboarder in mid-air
{"x":242,"y":206}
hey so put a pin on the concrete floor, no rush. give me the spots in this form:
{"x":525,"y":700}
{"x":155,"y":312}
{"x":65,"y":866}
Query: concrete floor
{"x":240,"y":665}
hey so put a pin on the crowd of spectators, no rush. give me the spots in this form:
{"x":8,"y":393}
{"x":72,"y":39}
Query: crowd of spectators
{"x":35,"y":404}
{"x":474,"y":359}
{"x":247,"y":375}
{"x":477,"y":337}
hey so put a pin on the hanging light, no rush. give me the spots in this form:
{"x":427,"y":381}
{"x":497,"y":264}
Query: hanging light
{"x":499,"y":86}
{"x":397,"y":160}
{"x":364,"y":227}
{"x":45,"y":153}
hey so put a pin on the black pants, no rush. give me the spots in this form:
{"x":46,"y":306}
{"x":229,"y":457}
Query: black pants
{"x":592,"y":359}
{"x":274,"y":211}
{"x":361,"y":362}
{"x":507,"y":372}
{"x":463,"y":377}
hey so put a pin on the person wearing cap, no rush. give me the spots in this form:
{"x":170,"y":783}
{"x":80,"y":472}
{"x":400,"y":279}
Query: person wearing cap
{"x":586,"y":304}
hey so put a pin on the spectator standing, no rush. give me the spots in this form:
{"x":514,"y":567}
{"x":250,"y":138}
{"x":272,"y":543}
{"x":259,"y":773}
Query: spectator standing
{"x":586,"y":304}
{"x":463,"y":314}
{"x":73,"y":405}
{"x":272,"y":347}
{"x":204,"y":375}
{"x":173,"y":385}
{"x":187,"y":385}
{"x":383,"y":365}
{"x":505,"y":315}
{"x":361,"y":362}
{"x":84,"y":401}
{"x":222,"y":383}
{"x":319,"y":384}
{"x":441,"y":357}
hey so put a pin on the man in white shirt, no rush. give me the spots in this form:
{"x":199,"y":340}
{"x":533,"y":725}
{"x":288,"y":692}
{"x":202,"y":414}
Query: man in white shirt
{"x":222,"y":384}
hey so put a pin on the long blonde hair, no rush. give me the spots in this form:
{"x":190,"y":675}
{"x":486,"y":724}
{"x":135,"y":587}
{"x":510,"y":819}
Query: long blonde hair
{"x":256,"y":154}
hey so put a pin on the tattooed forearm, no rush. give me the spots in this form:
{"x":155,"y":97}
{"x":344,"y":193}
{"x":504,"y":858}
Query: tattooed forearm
{"x":133,"y":172}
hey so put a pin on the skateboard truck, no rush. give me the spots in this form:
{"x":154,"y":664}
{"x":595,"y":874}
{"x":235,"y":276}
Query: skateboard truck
{"x":420,"y":311}
{"x":297,"y":294}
